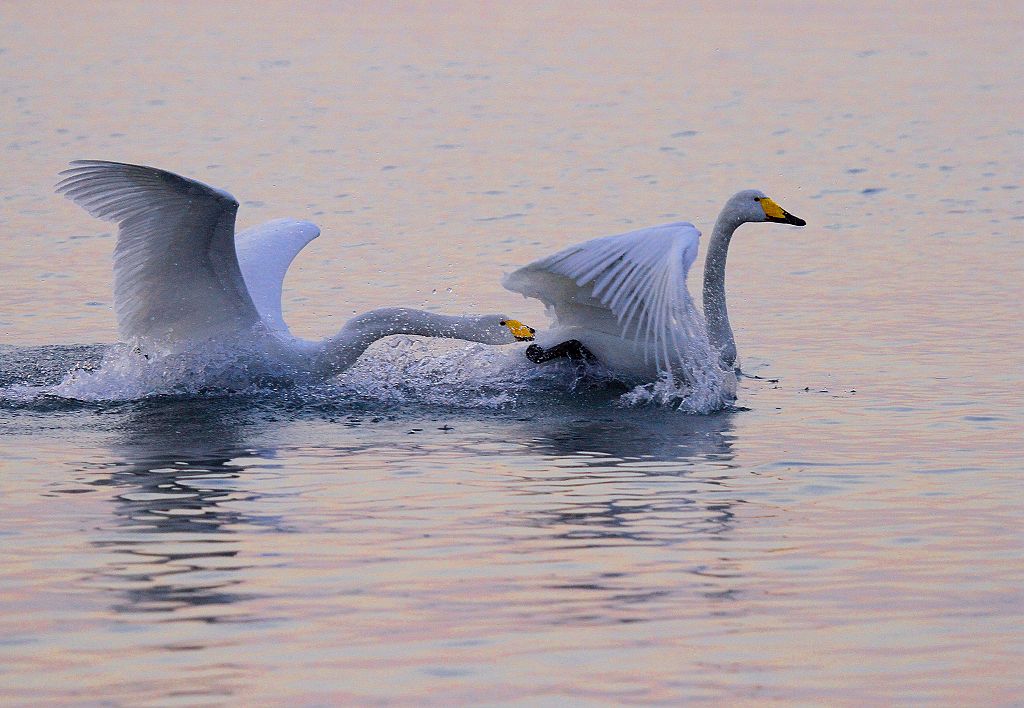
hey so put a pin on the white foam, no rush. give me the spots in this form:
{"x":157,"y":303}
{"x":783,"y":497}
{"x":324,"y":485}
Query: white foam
{"x":126,"y":373}
{"x":410,"y":369}
{"x":395,"y":370}
{"x":710,"y":392}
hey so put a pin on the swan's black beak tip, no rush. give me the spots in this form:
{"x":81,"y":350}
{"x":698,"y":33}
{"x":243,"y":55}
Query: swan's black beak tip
{"x":776,"y":214}
{"x":787,"y":218}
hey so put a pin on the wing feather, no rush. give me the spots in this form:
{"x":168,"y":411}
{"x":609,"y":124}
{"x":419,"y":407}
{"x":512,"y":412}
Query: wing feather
{"x":264,"y":254}
{"x":640,"y":277}
{"x":176,"y":275}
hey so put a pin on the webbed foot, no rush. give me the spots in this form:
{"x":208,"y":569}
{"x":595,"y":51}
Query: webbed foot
{"x":573,"y":350}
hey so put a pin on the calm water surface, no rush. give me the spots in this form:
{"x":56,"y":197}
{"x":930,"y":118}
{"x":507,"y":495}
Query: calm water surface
{"x":423,"y":532}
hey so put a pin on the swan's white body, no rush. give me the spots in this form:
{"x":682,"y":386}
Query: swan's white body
{"x":182,"y":276}
{"x":625,"y":297}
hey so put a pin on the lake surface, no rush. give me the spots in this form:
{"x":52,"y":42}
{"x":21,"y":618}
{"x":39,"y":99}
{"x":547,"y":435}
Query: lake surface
{"x":430,"y":528}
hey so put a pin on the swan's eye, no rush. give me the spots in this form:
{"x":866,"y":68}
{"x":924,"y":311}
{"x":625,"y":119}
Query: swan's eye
{"x":502,"y":323}
{"x":757,"y":199}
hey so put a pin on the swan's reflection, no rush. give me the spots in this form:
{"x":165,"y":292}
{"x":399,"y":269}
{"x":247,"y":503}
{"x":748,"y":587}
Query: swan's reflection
{"x":631,"y":485}
{"x":619,"y":466}
{"x":178,"y":511}
{"x":634,"y":434}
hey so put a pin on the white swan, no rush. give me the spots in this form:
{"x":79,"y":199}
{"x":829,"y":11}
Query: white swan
{"x":624,"y":297}
{"x":182,"y":276}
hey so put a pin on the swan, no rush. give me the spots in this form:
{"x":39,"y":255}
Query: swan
{"x":182,"y":276}
{"x":623,"y":300}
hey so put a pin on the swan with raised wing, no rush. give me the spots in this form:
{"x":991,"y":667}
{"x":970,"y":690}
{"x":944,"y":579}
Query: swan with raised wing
{"x":622,"y":300}
{"x":183,"y":277}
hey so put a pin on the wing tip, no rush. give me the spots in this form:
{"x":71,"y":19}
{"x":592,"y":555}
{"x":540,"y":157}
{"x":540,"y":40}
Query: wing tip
{"x":81,"y":168}
{"x":309,"y":230}
{"x":82,"y":164}
{"x":509,"y":282}
{"x":83,"y":172}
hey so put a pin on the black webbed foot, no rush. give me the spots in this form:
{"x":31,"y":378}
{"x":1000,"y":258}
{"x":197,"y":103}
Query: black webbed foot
{"x":573,"y":350}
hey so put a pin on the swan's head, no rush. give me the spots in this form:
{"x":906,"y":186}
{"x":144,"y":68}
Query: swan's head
{"x":754,"y":205}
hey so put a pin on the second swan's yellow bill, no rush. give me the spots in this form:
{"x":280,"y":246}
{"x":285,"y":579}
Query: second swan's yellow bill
{"x":522,"y":333}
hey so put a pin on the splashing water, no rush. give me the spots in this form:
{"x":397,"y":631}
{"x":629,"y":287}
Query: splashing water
{"x":126,"y":373}
{"x":396,"y":370}
{"x":707,"y":395}
{"x":406,"y":369}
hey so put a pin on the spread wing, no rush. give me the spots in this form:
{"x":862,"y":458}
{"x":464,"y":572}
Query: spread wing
{"x":632,"y":283}
{"x":264,"y":254}
{"x":176,"y":276}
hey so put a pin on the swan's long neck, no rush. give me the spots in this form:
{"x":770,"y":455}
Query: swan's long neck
{"x":715,"y":312}
{"x":339,"y":352}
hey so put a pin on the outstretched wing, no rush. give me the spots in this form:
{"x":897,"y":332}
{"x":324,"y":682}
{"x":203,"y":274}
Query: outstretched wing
{"x":633,"y":282}
{"x":176,"y":275}
{"x":264,"y":254}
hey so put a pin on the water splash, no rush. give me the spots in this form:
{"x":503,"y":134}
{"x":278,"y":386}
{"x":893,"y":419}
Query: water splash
{"x":400,"y":370}
{"x":408,"y":369}
{"x":709,"y":393}
{"x":127,"y":373}
{"x":396,"y":370}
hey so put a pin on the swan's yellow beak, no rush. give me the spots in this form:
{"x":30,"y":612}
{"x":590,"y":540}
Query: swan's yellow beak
{"x":779,"y":215}
{"x":521,"y":332}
